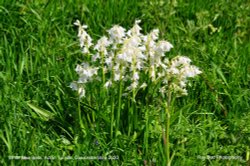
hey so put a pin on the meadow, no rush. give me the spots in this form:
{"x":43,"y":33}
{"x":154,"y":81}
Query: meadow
{"x":44,"y":122}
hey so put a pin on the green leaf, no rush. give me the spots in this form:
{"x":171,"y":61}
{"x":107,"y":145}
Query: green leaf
{"x":42,"y":113}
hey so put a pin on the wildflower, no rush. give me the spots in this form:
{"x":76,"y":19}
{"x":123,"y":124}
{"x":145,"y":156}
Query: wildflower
{"x":173,"y":70}
{"x":81,"y":92}
{"x":162,"y":90}
{"x":134,"y":85}
{"x":102,"y":45}
{"x":118,"y":76}
{"x":183,"y":60}
{"x":182,"y":83}
{"x":180,"y":60}
{"x":133,"y":41}
{"x":108,"y":61}
{"x":85,"y":39}
{"x":152,"y":74}
{"x":73,"y":86}
{"x":95,"y":57}
{"x":154,"y":34}
{"x":139,"y":65}
{"x":135,"y":30}
{"x":177,"y":89}
{"x":85,"y":72}
{"x":163,"y":46}
{"x":136,"y":76}
{"x":143,"y":85}
{"x":125,"y":56}
{"x":108,"y":84}
{"x":191,"y":71}
{"x":117,"y":33}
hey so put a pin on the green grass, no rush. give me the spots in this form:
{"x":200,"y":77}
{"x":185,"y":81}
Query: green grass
{"x":41,"y":116}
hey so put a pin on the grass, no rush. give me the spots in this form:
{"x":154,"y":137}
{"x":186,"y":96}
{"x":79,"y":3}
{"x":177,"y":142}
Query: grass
{"x":41,"y":116}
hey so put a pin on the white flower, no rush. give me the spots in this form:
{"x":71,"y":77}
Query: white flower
{"x":77,"y":23}
{"x":139,"y":65}
{"x":163,"y":66}
{"x":117,"y":67}
{"x":183,"y":92}
{"x":78,"y":68}
{"x":162,"y":90}
{"x":142,"y":48}
{"x":136,"y":76}
{"x":125,"y":56}
{"x":184,"y":60}
{"x":108,"y":61}
{"x":152,"y":75}
{"x":90,"y":72}
{"x":81,"y":92}
{"x":108,"y":84}
{"x":140,"y":54}
{"x":102,"y":44}
{"x":191,"y":71}
{"x":117,"y":76}
{"x":181,"y":60}
{"x":134,"y":85}
{"x":129,"y":55}
{"x":85,"y":72}
{"x":117,"y":33}
{"x":85,"y":39}
{"x":182,"y":84}
{"x":163,"y":46}
{"x":154,"y":34}
{"x":135,"y":30}
{"x":73,"y":86}
{"x":133,"y":41}
{"x":96,"y":56}
{"x":144,"y":85}
{"x":173,"y":70}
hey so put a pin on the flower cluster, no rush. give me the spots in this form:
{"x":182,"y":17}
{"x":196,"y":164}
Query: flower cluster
{"x":129,"y":57}
{"x":177,"y":74}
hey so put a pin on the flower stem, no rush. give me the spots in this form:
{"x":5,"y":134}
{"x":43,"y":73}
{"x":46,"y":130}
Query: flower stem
{"x":112,"y":116}
{"x":103,"y":69}
{"x":167,"y":143}
{"x":146,"y":135}
{"x":80,"y":116}
{"x":119,"y":107}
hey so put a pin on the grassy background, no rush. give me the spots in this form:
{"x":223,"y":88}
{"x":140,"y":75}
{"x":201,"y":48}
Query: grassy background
{"x":38,"y":54}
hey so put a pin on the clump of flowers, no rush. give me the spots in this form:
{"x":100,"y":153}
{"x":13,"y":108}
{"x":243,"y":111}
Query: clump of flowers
{"x":128,"y":60}
{"x":126,"y":56}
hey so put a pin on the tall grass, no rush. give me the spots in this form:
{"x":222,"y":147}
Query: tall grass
{"x":41,"y":116}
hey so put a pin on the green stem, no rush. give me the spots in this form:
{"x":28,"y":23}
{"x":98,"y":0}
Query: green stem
{"x":168,"y":113}
{"x":103,"y":69}
{"x":80,"y":116}
{"x":112,"y":116}
{"x":134,"y":112}
{"x":112,"y":97}
{"x":132,"y":116}
{"x":146,"y":134}
{"x":119,"y":106}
